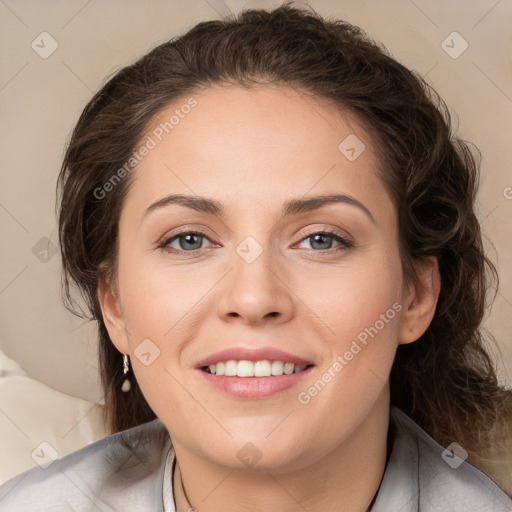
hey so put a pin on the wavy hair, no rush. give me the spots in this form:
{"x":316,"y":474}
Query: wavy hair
{"x":446,"y":380}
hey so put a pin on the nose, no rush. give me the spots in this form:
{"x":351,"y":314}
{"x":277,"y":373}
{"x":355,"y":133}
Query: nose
{"x":256,"y":291}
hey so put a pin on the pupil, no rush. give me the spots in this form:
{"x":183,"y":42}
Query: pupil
{"x":321,"y":237}
{"x":189,"y":240}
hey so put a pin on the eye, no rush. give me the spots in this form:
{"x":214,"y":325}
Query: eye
{"x":323,"y":241}
{"x":188,"y":241}
{"x":192,"y":241}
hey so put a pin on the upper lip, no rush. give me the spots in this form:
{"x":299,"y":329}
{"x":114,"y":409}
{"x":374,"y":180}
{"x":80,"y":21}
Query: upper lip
{"x":251,"y":354}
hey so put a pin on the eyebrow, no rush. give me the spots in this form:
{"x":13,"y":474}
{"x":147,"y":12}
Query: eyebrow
{"x":290,"y":207}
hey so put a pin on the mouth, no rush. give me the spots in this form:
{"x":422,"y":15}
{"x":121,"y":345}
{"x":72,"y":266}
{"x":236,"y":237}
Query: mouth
{"x":263,"y":368}
{"x":250,"y":373}
{"x":254,"y":380}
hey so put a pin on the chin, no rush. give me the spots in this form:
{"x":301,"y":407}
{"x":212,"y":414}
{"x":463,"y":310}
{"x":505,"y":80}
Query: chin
{"x":258,"y":457}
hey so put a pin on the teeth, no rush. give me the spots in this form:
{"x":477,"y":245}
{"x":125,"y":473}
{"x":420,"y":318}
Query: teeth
{"x":258,"y":369}
{"x":277,"y":368}
{"x":245,"y":368}
{"x":231,"y":368}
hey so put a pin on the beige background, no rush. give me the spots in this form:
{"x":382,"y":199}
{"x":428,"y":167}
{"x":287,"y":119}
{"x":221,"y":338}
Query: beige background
{"x":41,"y":99}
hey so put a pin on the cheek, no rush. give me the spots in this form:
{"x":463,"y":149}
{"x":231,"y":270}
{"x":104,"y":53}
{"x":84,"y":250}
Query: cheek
{"x":360,"y":310}
{"x":163,"y":309}
{"x":156,"y":299}
{"x":356,"y":298}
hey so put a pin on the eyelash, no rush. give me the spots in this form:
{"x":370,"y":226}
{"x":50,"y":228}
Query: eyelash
{"x":345,"y":242}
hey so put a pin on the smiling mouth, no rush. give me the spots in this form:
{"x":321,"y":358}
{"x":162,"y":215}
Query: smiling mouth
{"x":245,"y":368}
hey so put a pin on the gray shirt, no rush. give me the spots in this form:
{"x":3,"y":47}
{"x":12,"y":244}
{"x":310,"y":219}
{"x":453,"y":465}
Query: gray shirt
{"x":125,"y":472}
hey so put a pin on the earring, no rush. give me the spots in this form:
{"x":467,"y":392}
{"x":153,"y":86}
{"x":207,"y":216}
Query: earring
{"x":126,"y":367}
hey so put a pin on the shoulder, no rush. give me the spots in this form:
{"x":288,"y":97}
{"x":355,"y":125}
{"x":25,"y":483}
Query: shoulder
{"x":118,"y":471}
{"x":430,"y":477}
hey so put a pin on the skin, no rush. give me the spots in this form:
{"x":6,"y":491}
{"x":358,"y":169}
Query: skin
{"x":252,"y":150}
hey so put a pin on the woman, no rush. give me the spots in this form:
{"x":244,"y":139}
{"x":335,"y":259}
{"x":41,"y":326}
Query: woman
{"x":273,"y":225}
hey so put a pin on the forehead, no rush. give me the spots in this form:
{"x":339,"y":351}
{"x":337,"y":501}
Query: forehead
{"x":260,"y":144}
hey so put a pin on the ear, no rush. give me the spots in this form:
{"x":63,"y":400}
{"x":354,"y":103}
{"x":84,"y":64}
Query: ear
{"x":112,"y":316}
{"x":420,"y":301}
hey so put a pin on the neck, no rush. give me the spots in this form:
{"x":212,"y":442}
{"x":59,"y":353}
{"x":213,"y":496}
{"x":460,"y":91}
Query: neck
{"x":347,"y":479}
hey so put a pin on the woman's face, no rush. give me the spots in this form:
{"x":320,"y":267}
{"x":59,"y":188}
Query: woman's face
{"x":269,"y":271}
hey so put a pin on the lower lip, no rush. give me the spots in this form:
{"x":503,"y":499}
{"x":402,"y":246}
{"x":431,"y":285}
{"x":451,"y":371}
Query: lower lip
{"x":254,"y":387}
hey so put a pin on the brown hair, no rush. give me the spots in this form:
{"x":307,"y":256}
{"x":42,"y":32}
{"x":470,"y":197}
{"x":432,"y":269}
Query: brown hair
{"x":445,"y":380}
